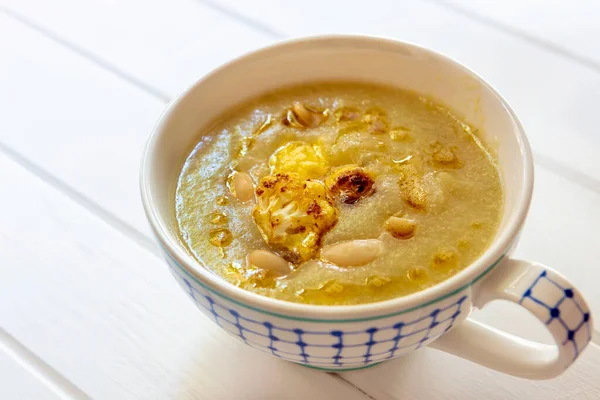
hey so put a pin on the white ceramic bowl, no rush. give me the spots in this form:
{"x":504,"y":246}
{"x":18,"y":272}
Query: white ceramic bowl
{"x":352,"y":337}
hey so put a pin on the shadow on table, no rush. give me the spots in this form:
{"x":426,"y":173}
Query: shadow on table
{"x":225,"y":368}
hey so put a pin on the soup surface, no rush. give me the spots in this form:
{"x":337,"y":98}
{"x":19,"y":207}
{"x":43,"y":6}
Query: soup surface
{"x":340,"y":193}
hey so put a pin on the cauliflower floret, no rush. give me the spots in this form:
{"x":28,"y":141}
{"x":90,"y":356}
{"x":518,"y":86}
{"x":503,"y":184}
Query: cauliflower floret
{"x":411,"y":187}
{"x":304,"y":159}
{"x":444,"y":156}
{"x":350,"y":183}
{"x":293,"y":214}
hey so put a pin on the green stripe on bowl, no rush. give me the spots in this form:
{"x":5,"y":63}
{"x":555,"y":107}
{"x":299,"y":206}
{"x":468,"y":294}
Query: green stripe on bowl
{"x":340,"y":369}
{"x":288,"y":317}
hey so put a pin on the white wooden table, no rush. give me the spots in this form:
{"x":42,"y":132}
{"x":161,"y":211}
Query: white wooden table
{"x":87,"y":308}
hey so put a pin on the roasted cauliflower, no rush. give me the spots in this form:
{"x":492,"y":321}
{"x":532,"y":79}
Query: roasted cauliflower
{"x":293,"y":214}
{"x":411,"y":187}
{"x":350,"y":183}
{"x":306,"y":160}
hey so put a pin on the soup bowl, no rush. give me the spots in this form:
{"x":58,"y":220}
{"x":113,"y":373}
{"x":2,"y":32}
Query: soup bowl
{"x":338,"y":338}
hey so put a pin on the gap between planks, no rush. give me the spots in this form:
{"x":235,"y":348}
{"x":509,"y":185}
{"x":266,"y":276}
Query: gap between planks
{"x":61,"y":385}
{"x":48,"y":376}
{"x":248,"y":21}
{"x":518,"y":33}
{"x":143,"y":86}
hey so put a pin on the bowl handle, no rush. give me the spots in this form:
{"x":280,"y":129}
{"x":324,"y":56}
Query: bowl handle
{"x":548,"y":296}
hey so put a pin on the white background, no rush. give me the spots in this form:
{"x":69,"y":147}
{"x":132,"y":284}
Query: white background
{"x":87,"y":307}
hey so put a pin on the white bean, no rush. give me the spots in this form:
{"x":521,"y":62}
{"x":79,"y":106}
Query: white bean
{"x":243,"y":187}
{"x":306,"y":116}
{"x":266,"y":260}
{"x":353,"y":253}
{"x":401,"y":228}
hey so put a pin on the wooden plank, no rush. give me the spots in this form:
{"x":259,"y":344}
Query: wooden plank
{"x":428,"y":374}
{"x":75,"y":119}
{"x":116,"y":128}
{"x":113,"y":322}
{"x":519,"y":69}
{"x":25,"y":375}
{"x":166,"y":45}
{"x":20,"y":384}
{"x":108,"y":315}
{"x":570,"y":29}
{"x":50,"y":156}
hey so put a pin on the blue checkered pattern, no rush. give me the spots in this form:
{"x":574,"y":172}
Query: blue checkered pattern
{"x":566,"y":312}
{"x":335,"y":348}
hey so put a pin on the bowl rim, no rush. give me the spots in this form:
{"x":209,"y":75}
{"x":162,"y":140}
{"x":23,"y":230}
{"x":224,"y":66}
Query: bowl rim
{"x":175,"y":251}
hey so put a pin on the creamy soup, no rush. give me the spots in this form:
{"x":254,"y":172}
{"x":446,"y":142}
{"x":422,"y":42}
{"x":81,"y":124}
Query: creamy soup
{"x":338,"y":193}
